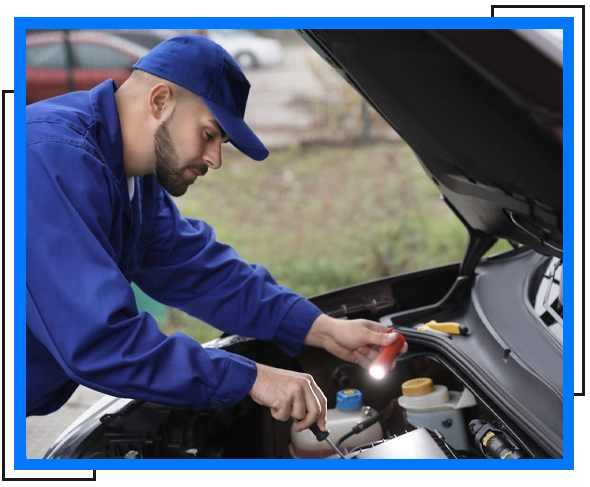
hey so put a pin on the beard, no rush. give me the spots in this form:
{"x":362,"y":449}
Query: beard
{"x":168,"y":171}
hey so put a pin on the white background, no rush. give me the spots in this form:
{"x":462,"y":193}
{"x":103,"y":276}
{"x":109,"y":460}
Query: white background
{"x":244,"y":8}
{"x":238,"y":8}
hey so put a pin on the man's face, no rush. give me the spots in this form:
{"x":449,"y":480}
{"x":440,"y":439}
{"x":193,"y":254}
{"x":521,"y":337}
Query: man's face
{"x":186,"y":145}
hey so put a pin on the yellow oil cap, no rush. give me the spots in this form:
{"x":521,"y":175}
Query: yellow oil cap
{"x":417,"y":387}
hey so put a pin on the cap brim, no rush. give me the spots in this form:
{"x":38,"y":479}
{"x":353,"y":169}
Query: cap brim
{"x":240,"y":135}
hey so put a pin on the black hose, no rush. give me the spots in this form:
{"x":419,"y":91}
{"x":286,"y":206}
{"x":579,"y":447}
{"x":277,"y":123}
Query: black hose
{"x":360,"y":427}
{"x":345,"y":437}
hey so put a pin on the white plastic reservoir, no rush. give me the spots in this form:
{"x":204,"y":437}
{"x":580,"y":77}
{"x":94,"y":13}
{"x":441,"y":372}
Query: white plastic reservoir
{"x":349,"y":411}
{"x":436,"y":408}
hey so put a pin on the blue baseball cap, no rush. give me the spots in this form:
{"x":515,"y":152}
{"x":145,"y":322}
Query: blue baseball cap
{"x":203,"y":67}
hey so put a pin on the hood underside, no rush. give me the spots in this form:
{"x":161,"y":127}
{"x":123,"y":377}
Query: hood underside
{"x":482,"y":110}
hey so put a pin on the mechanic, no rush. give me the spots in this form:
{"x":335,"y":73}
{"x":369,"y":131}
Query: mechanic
{"x":102,"y":167}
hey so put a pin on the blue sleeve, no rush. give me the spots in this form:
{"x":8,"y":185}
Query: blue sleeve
{"x":187,"y":268}
{"x":82,"y":308}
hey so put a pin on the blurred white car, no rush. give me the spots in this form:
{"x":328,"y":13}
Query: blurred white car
{"x":250,"y":50}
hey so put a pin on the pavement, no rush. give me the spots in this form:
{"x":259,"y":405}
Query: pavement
{"x":42,"y":431}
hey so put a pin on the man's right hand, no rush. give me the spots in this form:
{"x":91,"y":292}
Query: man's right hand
{"x":292,"y":395}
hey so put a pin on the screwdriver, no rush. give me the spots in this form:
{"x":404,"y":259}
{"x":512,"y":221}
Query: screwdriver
{"x":323,"y":435}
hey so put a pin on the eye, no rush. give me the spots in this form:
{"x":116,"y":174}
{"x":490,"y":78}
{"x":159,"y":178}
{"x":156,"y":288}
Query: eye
{"x":209,"y":136}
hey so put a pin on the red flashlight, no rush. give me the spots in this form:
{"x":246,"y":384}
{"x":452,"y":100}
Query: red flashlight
{"x":383,"y":362}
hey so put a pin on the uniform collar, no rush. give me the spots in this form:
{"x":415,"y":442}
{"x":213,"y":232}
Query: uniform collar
{"x":107,"y":130}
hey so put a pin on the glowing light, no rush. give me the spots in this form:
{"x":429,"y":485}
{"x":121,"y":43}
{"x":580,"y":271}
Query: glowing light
{"x":384,"y":361}
{"x":377,"y":372}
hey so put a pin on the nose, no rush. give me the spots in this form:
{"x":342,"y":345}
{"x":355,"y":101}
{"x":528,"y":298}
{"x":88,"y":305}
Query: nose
{"x":213,"y":156}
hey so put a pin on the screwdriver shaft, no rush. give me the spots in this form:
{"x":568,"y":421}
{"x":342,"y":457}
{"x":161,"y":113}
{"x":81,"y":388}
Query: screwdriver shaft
{"x":335,"y":447}
{"x":323,"y":435}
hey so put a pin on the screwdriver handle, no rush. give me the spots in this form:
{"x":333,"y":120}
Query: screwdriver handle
{"x":319,"y":434}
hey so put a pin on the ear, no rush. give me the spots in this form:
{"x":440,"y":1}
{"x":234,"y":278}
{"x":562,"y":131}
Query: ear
{"x":161,"y":101}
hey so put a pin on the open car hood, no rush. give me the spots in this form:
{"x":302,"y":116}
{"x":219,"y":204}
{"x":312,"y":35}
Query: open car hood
{"x":482,"y":110}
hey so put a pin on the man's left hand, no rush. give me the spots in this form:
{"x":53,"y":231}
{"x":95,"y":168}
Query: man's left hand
{"x":358,"y":341}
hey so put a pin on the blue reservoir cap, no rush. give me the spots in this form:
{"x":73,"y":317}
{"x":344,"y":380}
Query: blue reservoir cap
{"x":349,"y":399}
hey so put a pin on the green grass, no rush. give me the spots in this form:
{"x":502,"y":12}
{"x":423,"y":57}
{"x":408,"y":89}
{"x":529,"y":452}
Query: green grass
{"x":321,"y":218}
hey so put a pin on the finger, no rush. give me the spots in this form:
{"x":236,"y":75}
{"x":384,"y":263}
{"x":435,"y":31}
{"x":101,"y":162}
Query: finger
{"x":382,"y":338}
{"x":375,"y":326}
{"x":322,"y":419}
{"x":365,"y":355}
{"x":366,"y":359}
{"x":390,"y":337}
{"x":404,"y":349}
{"x":298,"y":410}
{"x":281,"y":413}
{"x":370,"y":353}
{"x":362,"y":360}
{"x":309,"y":419}
{"x":312,"y":407}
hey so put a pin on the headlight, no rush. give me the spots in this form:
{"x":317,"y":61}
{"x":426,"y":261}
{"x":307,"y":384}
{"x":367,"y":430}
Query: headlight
{"x":78,"y":431}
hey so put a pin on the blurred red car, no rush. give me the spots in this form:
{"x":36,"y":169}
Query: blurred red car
{"x":55,"y":67}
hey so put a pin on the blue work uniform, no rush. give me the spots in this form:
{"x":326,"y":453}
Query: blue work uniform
{"x":87,"y":241}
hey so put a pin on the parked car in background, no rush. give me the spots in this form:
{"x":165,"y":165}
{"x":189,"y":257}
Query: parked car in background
{"x":58,"y":63}
{"x":148,"y":38}
{"x":249,"y":49}
{"x":483,"y":377}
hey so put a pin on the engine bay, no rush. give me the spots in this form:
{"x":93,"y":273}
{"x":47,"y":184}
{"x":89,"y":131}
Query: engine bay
{"x":459,"y":393}
{"x":463,"y":427}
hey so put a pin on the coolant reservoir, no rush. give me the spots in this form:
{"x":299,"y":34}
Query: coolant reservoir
{"x":350,"y":410}
{"x":436,"y":408}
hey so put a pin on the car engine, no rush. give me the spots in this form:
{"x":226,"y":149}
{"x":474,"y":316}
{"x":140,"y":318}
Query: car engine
{"x":460,"y":426}
{"x":431,"y":405}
